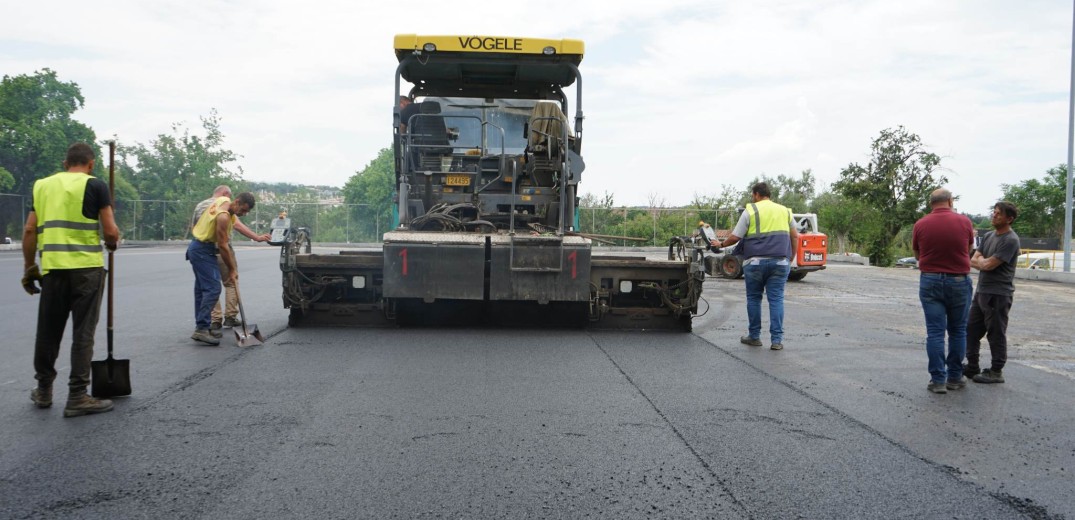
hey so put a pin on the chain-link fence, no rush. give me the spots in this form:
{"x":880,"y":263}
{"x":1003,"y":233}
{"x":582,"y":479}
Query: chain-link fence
{"x":13,"y":209}
{"x":617,"y":226}
{"x":172,"y":220}
{"x":356,"y":223}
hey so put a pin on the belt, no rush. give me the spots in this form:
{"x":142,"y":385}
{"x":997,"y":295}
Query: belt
{"x":951,"y":276}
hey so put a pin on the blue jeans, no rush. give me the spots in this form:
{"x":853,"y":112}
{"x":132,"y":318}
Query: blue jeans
{"x":946,"y":302}
{"x":202,"y":258}
{"x":768,"y":275}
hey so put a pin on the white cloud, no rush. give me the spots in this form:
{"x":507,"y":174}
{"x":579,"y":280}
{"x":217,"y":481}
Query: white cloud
{"x":681,"y":97}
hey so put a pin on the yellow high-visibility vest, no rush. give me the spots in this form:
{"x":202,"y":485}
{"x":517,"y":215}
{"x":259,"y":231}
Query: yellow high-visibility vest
{"x":205,"y":229}
{"x":768,"y":233}
{"x":66,"y":239}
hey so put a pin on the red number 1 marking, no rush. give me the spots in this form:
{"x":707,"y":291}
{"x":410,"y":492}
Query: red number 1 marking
{"x":574,"y":263}
{"x":403,"y":254}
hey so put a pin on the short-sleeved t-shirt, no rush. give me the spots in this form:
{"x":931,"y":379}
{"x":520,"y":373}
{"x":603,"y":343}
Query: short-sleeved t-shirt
{"x":943,"y":240}
{"x":95,"y":199}
{"x":199,"y":209}
{"x":1006,"y":249}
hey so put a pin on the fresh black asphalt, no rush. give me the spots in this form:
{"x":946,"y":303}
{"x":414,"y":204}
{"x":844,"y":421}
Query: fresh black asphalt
{"x":535,"y":423}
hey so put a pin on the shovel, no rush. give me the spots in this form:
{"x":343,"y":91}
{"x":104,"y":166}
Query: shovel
{"x":250,"y":335}
{"x":110,"y":377}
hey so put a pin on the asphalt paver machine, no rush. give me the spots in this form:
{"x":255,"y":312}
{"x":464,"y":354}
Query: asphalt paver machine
{"x":487,"y":169}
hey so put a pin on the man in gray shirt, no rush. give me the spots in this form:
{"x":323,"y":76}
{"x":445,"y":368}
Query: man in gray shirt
{"x":995,"y":260}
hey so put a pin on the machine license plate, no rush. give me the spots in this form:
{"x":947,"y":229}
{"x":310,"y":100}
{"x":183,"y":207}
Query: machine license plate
{"x":814,"y":257}
{"x":457,"y":180}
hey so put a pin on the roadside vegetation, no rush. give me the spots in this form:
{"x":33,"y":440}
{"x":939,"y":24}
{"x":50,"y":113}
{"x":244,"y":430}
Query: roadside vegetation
{"x":870,"y":209}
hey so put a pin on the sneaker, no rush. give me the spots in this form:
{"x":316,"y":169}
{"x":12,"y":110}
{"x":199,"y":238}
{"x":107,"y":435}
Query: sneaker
{"x":216,"y":325}
{"x":216,"y":333}
{"x":777,"y":346}
{"x":989,"y":376}
{"x":937,"y":388}
{"x":958,"y":384}
{"x":970,"y":371}
{"x":204,"y":336}
{"x":230,"y":321}
{"x":83,"y":404}
{"x":747,"y":340}
{"x":42,"y":397}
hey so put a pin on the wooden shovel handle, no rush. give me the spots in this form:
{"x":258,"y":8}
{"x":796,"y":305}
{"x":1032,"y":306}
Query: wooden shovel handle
{"x":112,"y":197}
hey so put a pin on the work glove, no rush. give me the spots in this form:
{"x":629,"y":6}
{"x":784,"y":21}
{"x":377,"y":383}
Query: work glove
{"x":30,"y":279}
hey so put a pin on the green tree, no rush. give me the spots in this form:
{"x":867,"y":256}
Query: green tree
{"x":181,"y":165}
{"x":598,"y":216}
{"x":1041,"y":204}
{"x":36,"y":128}
{"x":372,"y":187}
{"x":795,"y":193}
{"x":896,"y":182}
{"x":125,"y":192}
{"x":851,"y":225}
{"x":723,"y":206}
{"x":7,"y":181}
{"x":178,"y":167}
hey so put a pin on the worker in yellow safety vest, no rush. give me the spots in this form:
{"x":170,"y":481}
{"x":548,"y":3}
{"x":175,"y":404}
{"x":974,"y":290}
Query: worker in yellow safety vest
{"x":71,"y":210}
{"x":770,"y":242}
{"x":212,"y":233}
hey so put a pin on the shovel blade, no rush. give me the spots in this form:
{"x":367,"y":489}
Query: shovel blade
{"x":110,"y":377}
{"x":250,"y":336}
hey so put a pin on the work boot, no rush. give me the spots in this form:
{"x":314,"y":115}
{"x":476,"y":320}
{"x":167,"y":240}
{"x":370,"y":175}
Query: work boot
{"x":216,"y":325}
{"x":971,"y":370}
{"x":956,"y":384}
{"x":937,"y":388}
{"x":230,"y":321}
{"x":41,"y":396}
{"x":204,"y":336}
{"x":989,"y":376}
{"x":83,"y":404}
{"x":777,"y":346}
{"x":216,"y":333}
{"x":747,"y":340}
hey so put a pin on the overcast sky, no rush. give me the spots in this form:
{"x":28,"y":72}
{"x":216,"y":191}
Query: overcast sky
{"x":681,"y":97}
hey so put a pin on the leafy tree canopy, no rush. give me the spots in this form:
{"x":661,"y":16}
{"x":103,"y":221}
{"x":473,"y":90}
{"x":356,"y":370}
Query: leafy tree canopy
{"x":181,"y":165}
{"x":795,"y":193}
{"x":589,"y":200}
{"x":1041,"y":204}
{"x":7,"y":181}
{"x":896,"y":182}
{"x":36,"y":126}
{"x":373,"y":186}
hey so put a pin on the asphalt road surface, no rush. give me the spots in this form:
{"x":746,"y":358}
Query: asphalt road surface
{"x":540,"y":423}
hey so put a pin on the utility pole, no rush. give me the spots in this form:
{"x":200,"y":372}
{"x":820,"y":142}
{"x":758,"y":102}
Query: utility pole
{"x":1071,"y":143}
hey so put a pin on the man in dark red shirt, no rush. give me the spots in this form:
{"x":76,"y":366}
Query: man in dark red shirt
{"x":942,"y":242}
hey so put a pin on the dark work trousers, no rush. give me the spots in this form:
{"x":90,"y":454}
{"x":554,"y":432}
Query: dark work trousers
{"x":75,"y":292}
{"x":989,"y":319}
